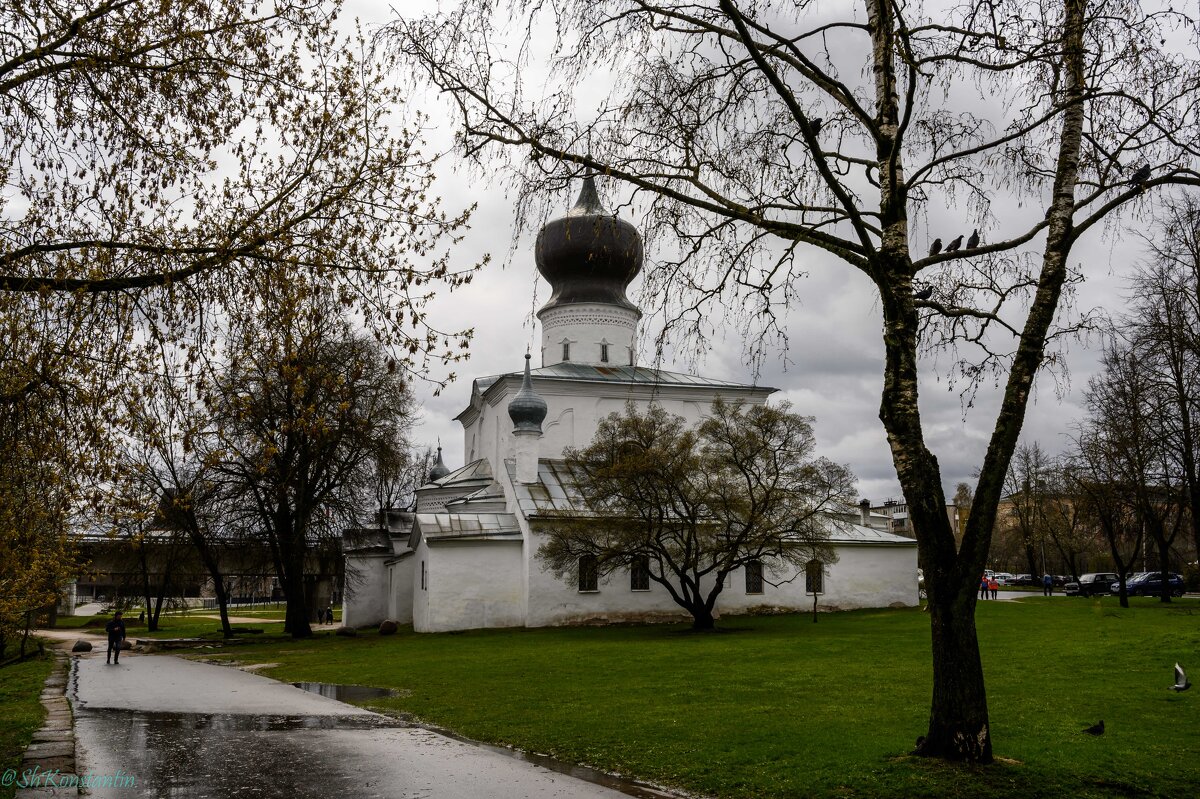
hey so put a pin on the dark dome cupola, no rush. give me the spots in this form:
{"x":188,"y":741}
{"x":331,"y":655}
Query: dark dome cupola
{"x":439,"y":469}
{"x":527,"y":409}
{"x":589,"y":257}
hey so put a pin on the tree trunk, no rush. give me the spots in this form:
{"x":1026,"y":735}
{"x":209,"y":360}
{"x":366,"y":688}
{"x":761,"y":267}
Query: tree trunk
{"x":147,"y":590}
{"x":958,"y":719}
{"x":702,"y":618}
{"x":211,"y":564}
{"x":296,"y":616}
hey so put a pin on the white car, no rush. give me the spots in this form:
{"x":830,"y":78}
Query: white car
{"x":1004,"y":577}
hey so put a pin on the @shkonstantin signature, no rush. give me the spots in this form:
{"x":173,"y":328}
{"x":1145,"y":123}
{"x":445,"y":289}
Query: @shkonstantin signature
{"x":36,"y":777}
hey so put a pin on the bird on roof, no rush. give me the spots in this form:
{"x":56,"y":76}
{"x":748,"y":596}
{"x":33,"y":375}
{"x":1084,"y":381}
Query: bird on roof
{"x":936,"y":247}
{"x":1096,"y":729}
{"x":924,"y":293}
{"x":1141,"y":176}
{"x":973,"y":242}
{"x":1181,"y":680}
{"x":954,"y":245}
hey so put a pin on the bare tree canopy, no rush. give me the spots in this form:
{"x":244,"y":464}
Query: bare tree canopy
{"x":757,"y":133}
{"x":691,"y":505}
{"x":304,"y":411}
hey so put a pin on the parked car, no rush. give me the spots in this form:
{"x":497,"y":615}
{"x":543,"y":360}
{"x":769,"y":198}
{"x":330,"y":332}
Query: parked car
{"x":1003,"y":577}
{"x":1024,"y":579}
{"x":1150,"y":584}
{"x":1090,"y":584}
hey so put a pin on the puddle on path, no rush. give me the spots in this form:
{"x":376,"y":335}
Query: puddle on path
{"x":345,"y":693}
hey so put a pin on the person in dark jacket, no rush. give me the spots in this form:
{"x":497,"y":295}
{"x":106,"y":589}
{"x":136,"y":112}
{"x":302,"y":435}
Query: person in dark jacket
{"x":116,"y":634}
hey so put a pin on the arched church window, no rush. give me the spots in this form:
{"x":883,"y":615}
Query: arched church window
{"x":754,"y":577}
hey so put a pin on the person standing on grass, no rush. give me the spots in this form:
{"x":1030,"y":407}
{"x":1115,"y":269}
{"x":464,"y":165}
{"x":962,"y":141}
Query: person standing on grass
{"x":1047,"y":585}
{"x":116,"y":635}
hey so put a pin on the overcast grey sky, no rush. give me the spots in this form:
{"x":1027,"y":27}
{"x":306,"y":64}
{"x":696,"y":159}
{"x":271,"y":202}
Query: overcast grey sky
{"x":832,"y":371}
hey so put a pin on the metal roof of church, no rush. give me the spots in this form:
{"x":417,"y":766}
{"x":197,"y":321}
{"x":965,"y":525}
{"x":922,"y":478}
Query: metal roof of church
{"x":467,"y":525}
{"x":619,"y":374}
{"x":554,"y":491}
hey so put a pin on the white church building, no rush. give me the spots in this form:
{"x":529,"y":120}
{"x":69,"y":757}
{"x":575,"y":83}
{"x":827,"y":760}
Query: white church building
{"x":465,"y":556}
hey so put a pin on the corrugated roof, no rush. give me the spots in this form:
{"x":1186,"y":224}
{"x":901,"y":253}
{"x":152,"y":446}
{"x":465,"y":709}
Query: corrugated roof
{"x":475,"y":470}
{"x":857,"y":534}
{"x":434,"y":526}
{"x":555,"y":491}
{"x":639,"y":375}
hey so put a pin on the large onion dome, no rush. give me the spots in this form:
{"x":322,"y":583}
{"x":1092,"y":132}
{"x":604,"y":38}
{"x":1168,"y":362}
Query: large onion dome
{"x":589,"y":255}
{"x":527,"y":409}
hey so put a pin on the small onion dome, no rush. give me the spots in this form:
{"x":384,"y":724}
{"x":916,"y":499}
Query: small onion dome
{"x":527,"y":409}
{"x":589,"y":255}
{"x":439,"y":469}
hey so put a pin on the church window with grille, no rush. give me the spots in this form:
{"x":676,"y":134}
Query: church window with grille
{"x":754,"y":577}
{"x":814,"y":577}
{"x":639,"y":573}
{"x":589,"y":578}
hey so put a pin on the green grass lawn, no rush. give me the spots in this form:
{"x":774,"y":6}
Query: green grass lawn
{"x":21,"y":711}
{"x":779,"y":706}
{"x":175,"y":626}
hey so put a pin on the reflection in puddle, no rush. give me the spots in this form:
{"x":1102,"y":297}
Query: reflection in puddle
{"x":345,"y":693}
{"x":211,"y":756}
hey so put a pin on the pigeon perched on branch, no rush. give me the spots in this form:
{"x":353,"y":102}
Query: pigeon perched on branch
{"x":973,"y":242}
{"x":1096,"y":729}
{"x":936,"y":247}
{"x":1141,"y":176}
{"x":1181,"y":680}
{"x":924,"y":293}
{"x":954,"y":245}
{"x":816,"y":124}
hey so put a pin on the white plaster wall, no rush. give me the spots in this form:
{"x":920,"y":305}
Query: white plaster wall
{"x":864,"y":576}
{"x":420,"y":600}
{"x":586,"y":326}
{"x":471,"y":585}
{"x":400,"y":601}
{"x":555,"y":602}
{"x":366,"y":601}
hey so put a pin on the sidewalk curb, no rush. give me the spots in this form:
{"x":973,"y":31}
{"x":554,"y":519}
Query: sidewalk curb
{"x":52,"y":751}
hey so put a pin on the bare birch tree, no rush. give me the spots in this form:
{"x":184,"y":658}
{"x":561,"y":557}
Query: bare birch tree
{"x":756,"y":133}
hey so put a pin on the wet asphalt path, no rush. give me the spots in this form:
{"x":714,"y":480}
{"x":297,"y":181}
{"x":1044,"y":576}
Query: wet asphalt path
{"x":188,"y":729}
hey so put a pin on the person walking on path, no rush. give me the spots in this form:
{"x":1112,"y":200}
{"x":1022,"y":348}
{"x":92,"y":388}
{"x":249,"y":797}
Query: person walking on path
{"x":1047,"y":585}
{"x":116,"y":636}
{"x":983,"y":587}
{"x":994,"y":586}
